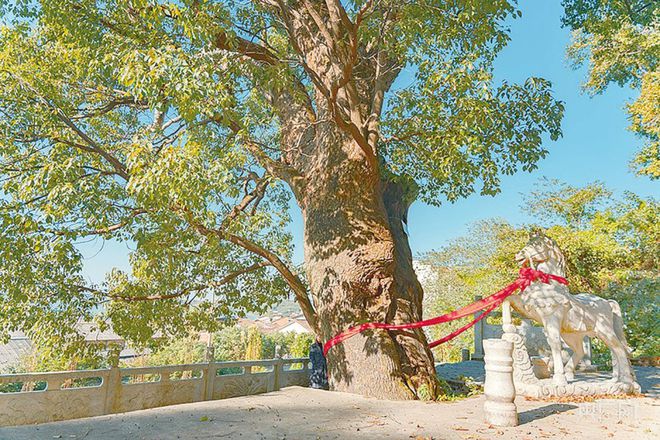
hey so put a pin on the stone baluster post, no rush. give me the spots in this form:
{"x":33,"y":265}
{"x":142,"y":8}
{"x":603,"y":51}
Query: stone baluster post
{"x":278,"y":370}
{"x":478,"y":354}
{"x":113,"y":390}
{"x":507,"y":321}
{"x":209,"y":380}
{"x":500,"y":409}
{"x":586,"y":347}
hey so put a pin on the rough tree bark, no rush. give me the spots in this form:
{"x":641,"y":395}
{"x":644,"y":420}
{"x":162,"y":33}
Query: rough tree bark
{"x":359,"y":268}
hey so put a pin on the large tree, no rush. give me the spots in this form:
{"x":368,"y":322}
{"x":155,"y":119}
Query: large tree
{"x":182,"y":127}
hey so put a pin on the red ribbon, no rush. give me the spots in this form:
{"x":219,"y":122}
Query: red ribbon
{"x":527,"y":276}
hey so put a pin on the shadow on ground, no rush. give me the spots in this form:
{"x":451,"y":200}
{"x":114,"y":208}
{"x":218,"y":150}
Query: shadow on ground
{"x":544,"y":411}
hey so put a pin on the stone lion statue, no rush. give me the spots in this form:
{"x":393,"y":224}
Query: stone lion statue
{"x":566,"y":316}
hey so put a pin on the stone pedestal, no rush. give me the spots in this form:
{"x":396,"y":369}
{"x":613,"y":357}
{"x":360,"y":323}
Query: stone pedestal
{"x":500,"y":392}
{"x":528,"y":384}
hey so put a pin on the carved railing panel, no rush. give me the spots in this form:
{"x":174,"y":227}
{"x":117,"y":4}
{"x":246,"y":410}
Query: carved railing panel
{"x":78,"y":394}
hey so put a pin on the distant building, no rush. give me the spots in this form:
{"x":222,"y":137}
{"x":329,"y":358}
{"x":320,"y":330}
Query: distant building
{"x":424,"y":272}
{"x":20,"y":345}
{"x":11,"y":353}
{"x":278,"y":324}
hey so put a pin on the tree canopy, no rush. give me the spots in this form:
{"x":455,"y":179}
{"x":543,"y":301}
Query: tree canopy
{"x":620,"y":43}
{"x":181,"y":128}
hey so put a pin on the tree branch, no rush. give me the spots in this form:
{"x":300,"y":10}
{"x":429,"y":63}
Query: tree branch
{"x":276,"y":168}
{"x":225,"y":280}
{"x":329,"y":39}
{"x":245,"y":47}
{"x":253,"y":196}
{"x":338,"y":13}
{"x":294,"y":282}
{"x":116,"y":226}
{"x":92,"y":146}
{"x":116,"y":164}
{"x":109,"y":106}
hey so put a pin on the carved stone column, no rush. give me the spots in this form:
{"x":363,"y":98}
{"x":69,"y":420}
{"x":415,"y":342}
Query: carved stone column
{"x":478,"y":354}
{"x":500,"y":392}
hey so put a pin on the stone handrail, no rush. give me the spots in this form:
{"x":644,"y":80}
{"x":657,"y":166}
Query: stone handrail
{"x":117,"y":390}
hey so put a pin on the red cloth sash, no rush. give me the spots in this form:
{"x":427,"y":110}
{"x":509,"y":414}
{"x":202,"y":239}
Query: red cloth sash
{"x":526,"y":277}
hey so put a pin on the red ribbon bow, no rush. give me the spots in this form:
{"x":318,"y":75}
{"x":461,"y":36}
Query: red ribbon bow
{"x":526,"y":277}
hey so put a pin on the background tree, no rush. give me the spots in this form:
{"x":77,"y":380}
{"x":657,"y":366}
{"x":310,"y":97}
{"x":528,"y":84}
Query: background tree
{"x":290,"y":344}
{"x":182,"y":128}
{"x":479,"y":263}
{"x":611,"y":247}
{"x":619,"y":40}
{"x":185,"y":350}
{"x":231,"y":343}
{"x":253,"y":344}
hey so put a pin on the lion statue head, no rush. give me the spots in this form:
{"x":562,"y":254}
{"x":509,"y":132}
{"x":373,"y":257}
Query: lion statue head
{"x":540,"y":249}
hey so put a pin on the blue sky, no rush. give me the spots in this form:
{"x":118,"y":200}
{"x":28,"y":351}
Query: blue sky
{"x":596,"y":144}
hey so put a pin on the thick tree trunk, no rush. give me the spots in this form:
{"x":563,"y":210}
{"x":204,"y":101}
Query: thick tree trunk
{"x":357,"y":257}
{"x":359,"y":267}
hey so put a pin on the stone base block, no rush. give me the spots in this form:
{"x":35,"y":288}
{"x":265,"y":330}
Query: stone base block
{"x":501,"y":413}
{"x":585,"y":387}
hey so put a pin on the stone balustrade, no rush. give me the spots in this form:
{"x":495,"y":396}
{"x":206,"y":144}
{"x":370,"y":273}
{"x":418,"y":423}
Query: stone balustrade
{"x":75,"y":394}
